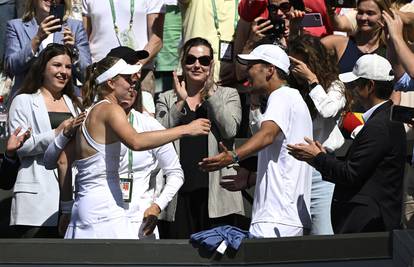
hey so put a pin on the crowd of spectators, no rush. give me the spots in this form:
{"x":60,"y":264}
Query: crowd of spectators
{"x":125,"y":116}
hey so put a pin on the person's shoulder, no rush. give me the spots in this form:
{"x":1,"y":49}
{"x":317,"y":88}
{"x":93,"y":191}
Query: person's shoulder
{"x":167,"y":94}
{"x":147,"y":122}
{"x":226,"y":89}
{"x":334,"y":39}
{"x":15,"y":22}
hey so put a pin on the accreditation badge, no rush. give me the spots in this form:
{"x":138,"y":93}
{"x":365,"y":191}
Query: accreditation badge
{"x":226,"y":50}
{"x":126,"y":188}
{"x":127,"y":38}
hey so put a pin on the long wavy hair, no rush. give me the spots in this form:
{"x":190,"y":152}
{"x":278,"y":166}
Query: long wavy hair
{"x":30,"y":12}
{"x":35,"y":77}
{"x":198,"y":41}
{"x":321,"y":61}
{"x":91,"y":91}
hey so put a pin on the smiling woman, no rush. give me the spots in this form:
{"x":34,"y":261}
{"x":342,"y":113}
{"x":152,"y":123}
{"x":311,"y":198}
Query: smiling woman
{"x":46,"y":102}
{"x":367,"y":39}
{"x":201,"y":202}
{"x":29,"y":35}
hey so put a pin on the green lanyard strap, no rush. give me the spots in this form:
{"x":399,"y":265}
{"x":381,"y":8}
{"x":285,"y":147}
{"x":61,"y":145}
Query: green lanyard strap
{"x":216,"y":19}
{"x":131,"y":19}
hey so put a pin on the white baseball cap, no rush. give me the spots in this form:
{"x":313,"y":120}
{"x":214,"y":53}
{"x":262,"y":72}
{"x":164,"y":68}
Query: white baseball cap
{"x":120,"y":67}
{"x":270,"y":53}
{"x":371,"y":67}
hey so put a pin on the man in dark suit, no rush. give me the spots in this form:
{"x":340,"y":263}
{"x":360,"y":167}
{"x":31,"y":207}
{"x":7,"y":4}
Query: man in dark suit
{"x":368,"y":182}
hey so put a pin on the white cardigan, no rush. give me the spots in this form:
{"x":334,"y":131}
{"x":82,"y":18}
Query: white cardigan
{"x":36,"y":191}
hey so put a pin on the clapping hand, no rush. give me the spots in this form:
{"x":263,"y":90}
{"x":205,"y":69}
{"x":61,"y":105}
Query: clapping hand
{"x":179,"y":87}
{"x":15,"y":141}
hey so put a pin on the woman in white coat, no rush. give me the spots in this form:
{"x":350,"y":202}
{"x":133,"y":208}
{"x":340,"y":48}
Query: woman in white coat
{"x":46,"y":103}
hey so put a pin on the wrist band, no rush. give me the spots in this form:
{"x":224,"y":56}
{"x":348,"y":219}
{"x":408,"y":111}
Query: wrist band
{"x":234,"y":156}
{"x":66,"y":207}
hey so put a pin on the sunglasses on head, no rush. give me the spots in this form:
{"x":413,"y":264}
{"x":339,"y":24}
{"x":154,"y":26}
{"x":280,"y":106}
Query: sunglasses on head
{"x":204,"y":60}
{"x":284,"y":7}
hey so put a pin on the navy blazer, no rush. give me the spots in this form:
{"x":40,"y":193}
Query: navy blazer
{"x":18,"y":50}
{"x":373,"y":170}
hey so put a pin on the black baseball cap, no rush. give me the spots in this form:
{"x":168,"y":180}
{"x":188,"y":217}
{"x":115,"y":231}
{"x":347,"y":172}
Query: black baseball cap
{"x":128,"y":54}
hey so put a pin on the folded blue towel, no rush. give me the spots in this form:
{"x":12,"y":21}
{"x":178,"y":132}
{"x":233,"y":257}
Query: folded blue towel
{"x":212,"y":238}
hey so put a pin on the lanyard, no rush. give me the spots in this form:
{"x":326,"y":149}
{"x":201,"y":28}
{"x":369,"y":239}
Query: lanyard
{"x":216,"y":19}
{"x":130,"y":155}
{"x":131,"y":19}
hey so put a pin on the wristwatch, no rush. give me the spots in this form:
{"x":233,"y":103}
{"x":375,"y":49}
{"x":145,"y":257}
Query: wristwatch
{"x":234,"y":156}
{"x":313,"y":85}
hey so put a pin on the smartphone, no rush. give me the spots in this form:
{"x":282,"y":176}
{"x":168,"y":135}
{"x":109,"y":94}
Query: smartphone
{"x":278,"y":27}
{"x":312,"y":20}
{"x":402,"y":114}
{"x":344,"y":3}
{"x":58,"y":11}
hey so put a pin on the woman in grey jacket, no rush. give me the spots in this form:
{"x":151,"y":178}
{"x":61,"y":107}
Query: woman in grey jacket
{"x":201,"y":202}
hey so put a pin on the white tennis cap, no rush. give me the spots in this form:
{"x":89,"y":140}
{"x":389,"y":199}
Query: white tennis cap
{"x":371,"y":67}
{"x":270,"y":53}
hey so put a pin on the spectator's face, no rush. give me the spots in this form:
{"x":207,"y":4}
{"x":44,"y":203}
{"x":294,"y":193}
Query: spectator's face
{"x":43,"y":6}
{"x":257,"y":77}
{"x":368,"y":16}
{"x":280,"y":8}
{"x":361,"y":91}
{"x":58,"y":73}
{"x":197,"y":64}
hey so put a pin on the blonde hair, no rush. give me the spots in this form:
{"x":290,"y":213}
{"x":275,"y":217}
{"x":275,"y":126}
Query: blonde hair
{"x":91,"y":91}
{"x":30,"y":12}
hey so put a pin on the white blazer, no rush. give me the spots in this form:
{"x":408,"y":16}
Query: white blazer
{"x":36,"y":191}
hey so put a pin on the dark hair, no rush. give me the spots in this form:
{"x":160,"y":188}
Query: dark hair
{"x":198,"y":41}
{"x":35,"y":77}
{"x":383,"y":89}
{"x":321,"y":61}
{"x":90,"y":89}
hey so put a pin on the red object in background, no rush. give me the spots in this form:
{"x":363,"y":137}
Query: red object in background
{"x":251,"y":9}
{"x":351,"y":120}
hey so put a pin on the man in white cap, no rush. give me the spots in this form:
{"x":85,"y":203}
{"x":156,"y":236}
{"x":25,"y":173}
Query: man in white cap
{"x":282,"y":194}
{"x":368,"y":182}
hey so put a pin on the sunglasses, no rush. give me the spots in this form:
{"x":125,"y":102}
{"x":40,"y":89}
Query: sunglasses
{"x":284,"y":7}
{"x":128,"y":79}
{"x":204,"y":60}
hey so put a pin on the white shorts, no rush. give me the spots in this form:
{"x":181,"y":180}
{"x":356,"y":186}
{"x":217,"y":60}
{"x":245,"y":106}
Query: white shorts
{"x":270,"y":230}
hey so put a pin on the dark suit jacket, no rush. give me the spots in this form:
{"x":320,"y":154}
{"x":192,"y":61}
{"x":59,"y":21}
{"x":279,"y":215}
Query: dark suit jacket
{"x":372,"y":172}
{"x":8,"y":173}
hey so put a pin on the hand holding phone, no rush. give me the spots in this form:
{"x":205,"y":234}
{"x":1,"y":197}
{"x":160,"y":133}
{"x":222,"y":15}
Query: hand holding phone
{"x":58,"y":11}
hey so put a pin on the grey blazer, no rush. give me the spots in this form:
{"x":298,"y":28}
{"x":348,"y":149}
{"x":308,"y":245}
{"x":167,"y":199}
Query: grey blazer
{"x":36,"y":191}
{"x":225,"y":114}
{"x":18,"y":50}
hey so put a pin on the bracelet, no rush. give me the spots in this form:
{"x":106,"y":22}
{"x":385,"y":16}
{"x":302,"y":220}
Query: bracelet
{"x":66,"y":206}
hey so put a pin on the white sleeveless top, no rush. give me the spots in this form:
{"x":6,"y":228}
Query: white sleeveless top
{"x":98,"y":196}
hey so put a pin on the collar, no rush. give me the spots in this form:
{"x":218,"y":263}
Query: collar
{"x":369,"y":112}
